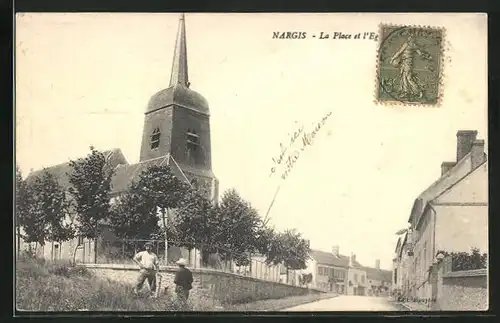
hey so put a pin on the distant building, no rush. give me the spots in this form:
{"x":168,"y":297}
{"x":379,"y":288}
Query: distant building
{"x":450,"y":215}
{"x":328,"y":270}
{"x":357,"y":282}
{"x":259,"y":269}
{"x":379,"y":280}
{"x":176,"y":132}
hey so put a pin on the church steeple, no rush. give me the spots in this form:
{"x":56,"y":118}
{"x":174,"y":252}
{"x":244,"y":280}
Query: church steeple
{"x":177,"y":125}
{"x":179,"y":65}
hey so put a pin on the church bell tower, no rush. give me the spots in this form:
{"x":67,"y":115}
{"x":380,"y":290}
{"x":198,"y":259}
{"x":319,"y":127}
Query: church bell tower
{"x":177,"y":124}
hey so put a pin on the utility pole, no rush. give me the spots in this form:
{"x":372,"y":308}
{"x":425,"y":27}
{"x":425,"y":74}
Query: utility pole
{"x":165,"y":221}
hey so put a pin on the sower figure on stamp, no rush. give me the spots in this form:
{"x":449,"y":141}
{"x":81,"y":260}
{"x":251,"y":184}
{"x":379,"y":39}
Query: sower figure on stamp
{"x":183,"y":281}
{"x":404,"y":60}
{"x":148,"y":264}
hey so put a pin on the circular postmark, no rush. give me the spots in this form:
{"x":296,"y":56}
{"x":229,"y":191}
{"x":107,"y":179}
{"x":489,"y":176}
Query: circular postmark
{"x":408,"y":69}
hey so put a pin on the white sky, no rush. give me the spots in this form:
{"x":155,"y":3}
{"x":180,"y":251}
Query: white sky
{"x":85,"y":79}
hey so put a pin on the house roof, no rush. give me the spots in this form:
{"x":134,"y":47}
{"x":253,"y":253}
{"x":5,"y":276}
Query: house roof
{"x":378,"y":274}
{"x":398,"y":244}
{"x":114,"y":157}
{"x":124,"y":173}
{"x":450,"y":178}
{"x":328,"y":258}
{"x":403,"y":243}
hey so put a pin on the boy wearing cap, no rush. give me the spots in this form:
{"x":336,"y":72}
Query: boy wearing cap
{"x":148,"y":264}
{"x":183,"y":280}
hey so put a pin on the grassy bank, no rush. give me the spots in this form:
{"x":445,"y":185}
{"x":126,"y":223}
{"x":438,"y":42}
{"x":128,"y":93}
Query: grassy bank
{"x":44,"y":286}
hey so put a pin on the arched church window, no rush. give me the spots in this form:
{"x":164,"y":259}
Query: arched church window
{"x":155,"y":138}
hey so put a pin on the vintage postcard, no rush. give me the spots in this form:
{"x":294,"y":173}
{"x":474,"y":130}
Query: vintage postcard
{"x":251,"y":162}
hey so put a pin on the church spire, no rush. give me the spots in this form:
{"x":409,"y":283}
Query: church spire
{"x":179,"y":65}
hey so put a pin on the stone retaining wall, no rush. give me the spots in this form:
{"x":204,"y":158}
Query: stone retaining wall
{"x":227,"y":288}
{"x":463,"y":291}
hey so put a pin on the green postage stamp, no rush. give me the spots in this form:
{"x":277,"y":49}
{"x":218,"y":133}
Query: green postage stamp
{"x":409,"y":69}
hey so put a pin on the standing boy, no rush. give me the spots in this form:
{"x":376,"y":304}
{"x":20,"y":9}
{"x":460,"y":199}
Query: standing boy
{"x":183,"y":280}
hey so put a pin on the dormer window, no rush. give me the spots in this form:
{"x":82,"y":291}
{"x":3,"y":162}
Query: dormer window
{"x":155,"y":138}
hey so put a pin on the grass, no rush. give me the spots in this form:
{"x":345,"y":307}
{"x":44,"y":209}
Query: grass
{"x":42,"y":286}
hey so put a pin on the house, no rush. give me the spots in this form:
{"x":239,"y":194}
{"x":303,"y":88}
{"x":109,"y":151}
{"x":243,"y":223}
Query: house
{"x":401,"y":265}
{"x":328,"y":270}
{"x":357,"y":282}
{"x":379,"y":280}
{"x":291,"y":276}
{"x":397,"y":267}
{"x":176,"y":132}
{"x":258,"y":268}
{"x":451,"y":215}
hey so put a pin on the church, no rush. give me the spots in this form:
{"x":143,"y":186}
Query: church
{"x":176,"y":133}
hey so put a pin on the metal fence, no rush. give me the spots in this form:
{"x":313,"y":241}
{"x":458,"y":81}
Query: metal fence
{"x":122,"y":252}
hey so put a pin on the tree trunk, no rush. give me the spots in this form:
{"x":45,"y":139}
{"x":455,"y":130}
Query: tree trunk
{"x":287,"y":280}
{"x":74,"y":252}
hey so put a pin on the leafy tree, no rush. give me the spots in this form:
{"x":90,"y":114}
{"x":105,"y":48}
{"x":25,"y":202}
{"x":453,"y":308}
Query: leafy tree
{"x":290,"y":249}
{"x":90,"y":190}
{"x":468,"y":261}
{"x":22,"y":201}
{"x":133,"y":218}
{"x":305,"y":279}
{"x":239,"y":227}
{"x":45,"y":208}
{"x":266,"y":236}
{"x":472,"y":260}
{"x":52,"y":205}
{"x":198,"y":223}
{"x":26,"y":218}
{"x":159,"y":192}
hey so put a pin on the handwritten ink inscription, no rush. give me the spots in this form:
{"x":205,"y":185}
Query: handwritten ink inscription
{"x":288,"y":157}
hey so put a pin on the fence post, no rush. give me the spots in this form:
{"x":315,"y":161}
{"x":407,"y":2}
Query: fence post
{"x":195,"y":257}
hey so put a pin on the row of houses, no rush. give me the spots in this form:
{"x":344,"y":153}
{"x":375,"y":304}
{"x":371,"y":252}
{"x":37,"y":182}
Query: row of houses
{"x":334,"y":272}
{"x":451,"y":215}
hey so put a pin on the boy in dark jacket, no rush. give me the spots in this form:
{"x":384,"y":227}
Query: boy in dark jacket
{"x":183,"y":280}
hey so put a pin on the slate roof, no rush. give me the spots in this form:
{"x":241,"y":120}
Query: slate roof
{"x":124,"y":173}
{"x":378,"y":274}
{"x":328,"y":258}
{"x":60,"y":171}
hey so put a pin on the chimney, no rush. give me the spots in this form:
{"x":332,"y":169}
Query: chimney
{"x":477,"y":152}
{"x":352,"y":259}
{"x":335,"y":250}
{"x":377,"y":263}
{"x":465,"y":138}
{"x":446,"y":166}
